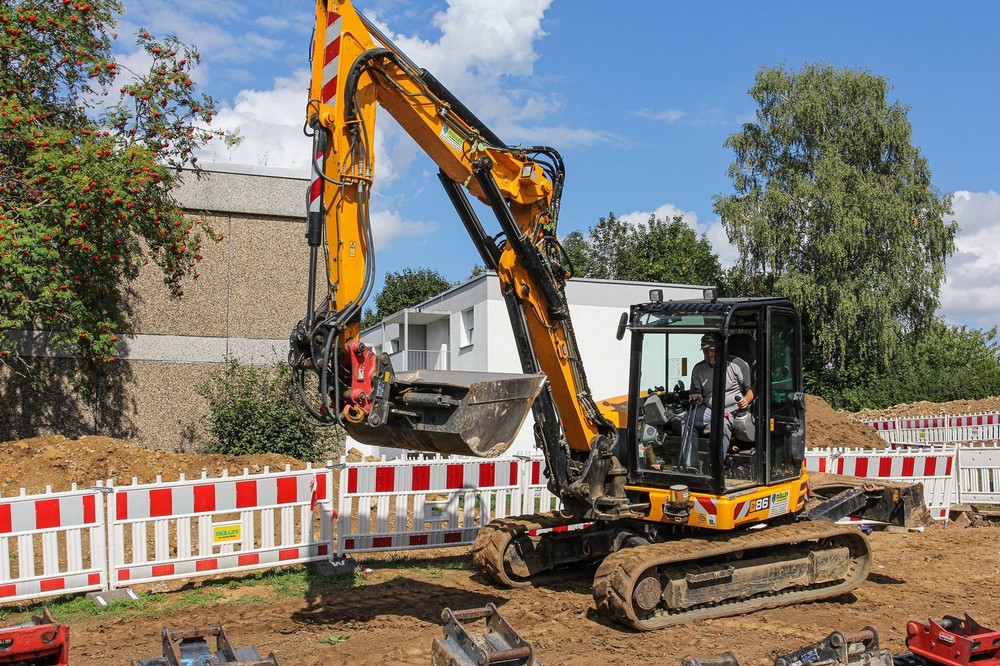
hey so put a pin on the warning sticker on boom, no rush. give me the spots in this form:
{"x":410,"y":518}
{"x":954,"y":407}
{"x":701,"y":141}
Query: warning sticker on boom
{"x":452,"y":138}
{"x":779,"y":504}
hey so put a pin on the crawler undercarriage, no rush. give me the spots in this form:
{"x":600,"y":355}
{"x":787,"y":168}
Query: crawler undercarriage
{"x":650,"y":580}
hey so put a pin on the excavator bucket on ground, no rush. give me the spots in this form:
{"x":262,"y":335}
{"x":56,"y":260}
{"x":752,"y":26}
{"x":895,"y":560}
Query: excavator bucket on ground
{"x":498,"y":644}
{"x":456,"y":412}
{"x":190,"y":645}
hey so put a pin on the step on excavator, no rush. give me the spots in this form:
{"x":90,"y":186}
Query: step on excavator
{"x":692,"y":512}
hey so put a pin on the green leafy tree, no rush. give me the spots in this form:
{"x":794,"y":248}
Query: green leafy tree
{"x":88,"y":157}
{"x":653,"y":251}
{"x":405,"y":289}
{"x":577,"y":250}
{"x":834,"y":208}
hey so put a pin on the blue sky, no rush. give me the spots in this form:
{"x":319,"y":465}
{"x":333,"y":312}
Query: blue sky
{"x":638,"y":96}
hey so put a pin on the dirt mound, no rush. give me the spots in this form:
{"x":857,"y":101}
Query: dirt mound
{"x":828,"y":428}
{"x":925,"y":408}
{"x":57,"y":461}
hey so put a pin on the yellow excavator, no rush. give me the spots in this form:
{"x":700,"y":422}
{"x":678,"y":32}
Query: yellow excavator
{"x":671,"y":507}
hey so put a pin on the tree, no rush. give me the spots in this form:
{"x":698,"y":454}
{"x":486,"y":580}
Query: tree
{"x":577,"y":250}
{"x":834,"y":208}
{"x":86,"y":174}
{"x":947,"y":362}
{"x":405,"y":289}
{"x":653,"y":251}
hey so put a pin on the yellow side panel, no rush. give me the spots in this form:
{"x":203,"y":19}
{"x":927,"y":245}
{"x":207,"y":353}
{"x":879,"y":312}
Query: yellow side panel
{"x":729,"y":511}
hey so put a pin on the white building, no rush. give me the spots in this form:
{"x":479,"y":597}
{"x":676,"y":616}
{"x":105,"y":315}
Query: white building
{"x":467,"y":328}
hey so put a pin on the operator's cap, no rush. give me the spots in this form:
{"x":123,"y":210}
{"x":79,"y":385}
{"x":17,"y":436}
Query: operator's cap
{"x":707,"y":341}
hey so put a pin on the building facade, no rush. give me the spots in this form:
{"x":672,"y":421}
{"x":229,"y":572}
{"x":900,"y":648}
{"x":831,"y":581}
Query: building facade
{"x":250,"y":294}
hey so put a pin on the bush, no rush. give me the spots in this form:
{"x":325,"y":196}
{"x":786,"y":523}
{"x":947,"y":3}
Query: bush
{"x":251,"y":413}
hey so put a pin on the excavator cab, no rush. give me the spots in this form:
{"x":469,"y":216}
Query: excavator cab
{"x":671,"y":438}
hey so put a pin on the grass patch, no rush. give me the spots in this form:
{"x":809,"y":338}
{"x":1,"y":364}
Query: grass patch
{"x":410,"y":563}
{"x":293,"y":582}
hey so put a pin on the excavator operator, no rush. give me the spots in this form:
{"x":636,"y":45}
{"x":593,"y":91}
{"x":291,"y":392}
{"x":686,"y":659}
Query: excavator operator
{"x":739,"y":392}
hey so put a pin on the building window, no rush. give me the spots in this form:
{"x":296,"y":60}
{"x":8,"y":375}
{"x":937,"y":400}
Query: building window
{"x":468,"y":325}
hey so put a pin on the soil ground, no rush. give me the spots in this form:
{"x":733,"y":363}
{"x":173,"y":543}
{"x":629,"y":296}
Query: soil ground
{"x":393,"y":617}
{"x":391,"y":614}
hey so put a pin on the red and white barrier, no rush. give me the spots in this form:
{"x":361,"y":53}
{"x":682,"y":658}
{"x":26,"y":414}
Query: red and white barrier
{"x":52,"y":544}
{"x":184,"y":528}
{"x":930,"y":430}
{"x":404,"y":504}
{"x":979,"y":474}
{"x":107,"y":536}
{"x":933,"y":466}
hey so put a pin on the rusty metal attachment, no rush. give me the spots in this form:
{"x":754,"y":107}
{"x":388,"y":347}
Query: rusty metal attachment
{"x":499,"y":644}
{"x":725,"y":659}
{"x":858,"y":648}
{"x":183,"y":647}
{"x":449,"y":411}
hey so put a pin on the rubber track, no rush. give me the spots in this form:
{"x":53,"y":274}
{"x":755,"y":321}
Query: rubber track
{"x":620,"y":571}
{"x":494,"y":539}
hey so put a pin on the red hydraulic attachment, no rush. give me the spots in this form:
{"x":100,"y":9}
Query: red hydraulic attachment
{"x":954,"y":642}
{"x":41,"y":642}
{"x":362,"y":362}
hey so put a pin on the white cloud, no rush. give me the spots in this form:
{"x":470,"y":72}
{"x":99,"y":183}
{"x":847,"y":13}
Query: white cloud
{"x":971,"y":293}
{"x":668,"y":116}
{"x":713,"y":230}
{"x":270,"y":126}
{"x":388,"y":225}
{"x":496,"y":42}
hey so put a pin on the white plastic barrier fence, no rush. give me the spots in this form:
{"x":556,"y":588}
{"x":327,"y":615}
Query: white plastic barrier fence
{"x":933,"y":466}
{"x":979,"y":474}
{"x":923,"y":431}
{"x":52,"y":544}
{"x":185,"y":528}
{"x":404,"y":504}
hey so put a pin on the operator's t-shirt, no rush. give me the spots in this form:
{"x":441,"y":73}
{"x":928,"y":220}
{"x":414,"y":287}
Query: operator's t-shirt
{"x":737,"y":381}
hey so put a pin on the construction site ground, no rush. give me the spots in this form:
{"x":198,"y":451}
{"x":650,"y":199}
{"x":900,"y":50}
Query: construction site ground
{"x":390,"y":614}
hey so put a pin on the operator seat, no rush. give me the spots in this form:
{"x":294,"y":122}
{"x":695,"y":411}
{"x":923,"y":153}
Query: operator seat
{"x":744,"y":347}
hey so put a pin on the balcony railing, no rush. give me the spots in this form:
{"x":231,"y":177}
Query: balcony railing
{"x":418,"y":359}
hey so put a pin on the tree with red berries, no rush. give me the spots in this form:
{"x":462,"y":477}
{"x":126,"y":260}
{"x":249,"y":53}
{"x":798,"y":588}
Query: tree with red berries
{"x":89,"y":152}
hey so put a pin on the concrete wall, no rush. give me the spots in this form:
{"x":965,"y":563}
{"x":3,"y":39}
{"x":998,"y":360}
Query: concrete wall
{"x":249,"y":295}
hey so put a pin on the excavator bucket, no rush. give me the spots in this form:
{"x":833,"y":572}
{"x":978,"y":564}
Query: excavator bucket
{"x":455,"y":412}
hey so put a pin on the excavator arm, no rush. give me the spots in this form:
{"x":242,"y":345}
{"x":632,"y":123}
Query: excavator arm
{"x":336,"y":379}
